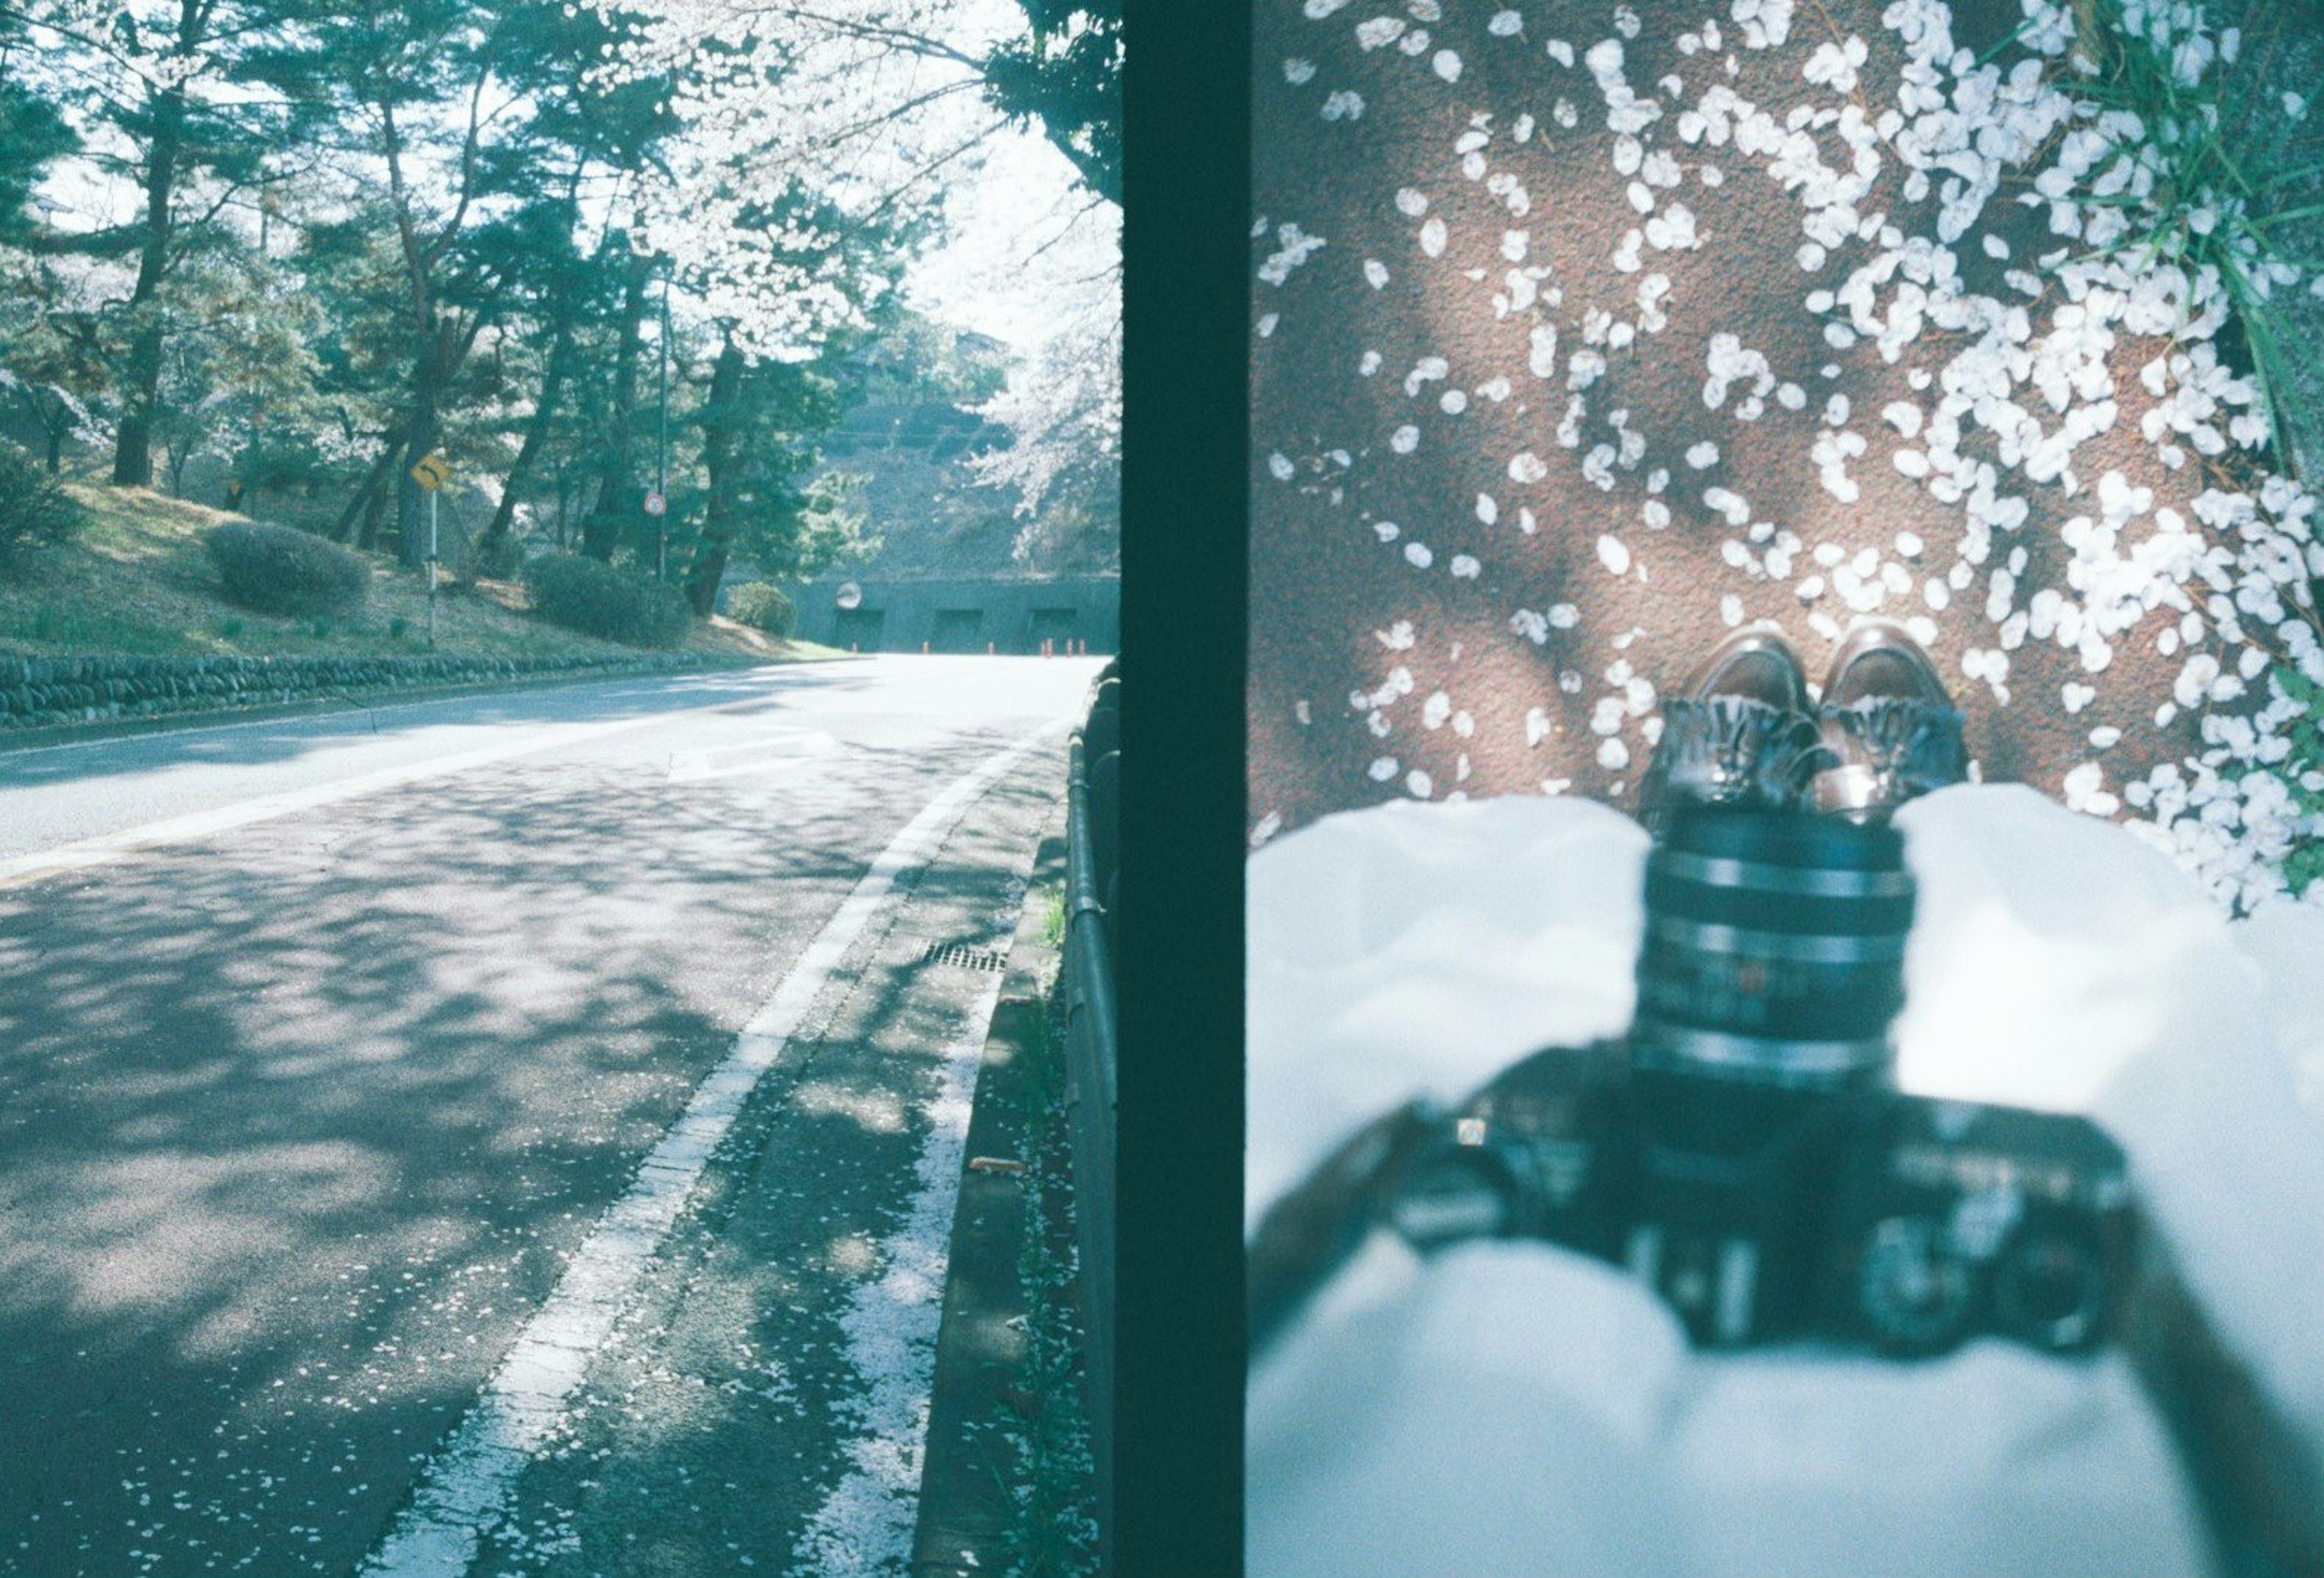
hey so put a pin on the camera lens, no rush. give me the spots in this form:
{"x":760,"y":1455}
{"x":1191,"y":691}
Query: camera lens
{"x":1774,"y":947}
{"x":2050,"y":1291}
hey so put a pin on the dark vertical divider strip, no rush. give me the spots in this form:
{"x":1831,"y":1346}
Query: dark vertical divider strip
{"x":1179,"y":1457}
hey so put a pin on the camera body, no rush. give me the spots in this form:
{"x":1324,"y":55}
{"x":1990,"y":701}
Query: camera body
{"x":1742,"y":1149}
{"x":1864,"y":1216}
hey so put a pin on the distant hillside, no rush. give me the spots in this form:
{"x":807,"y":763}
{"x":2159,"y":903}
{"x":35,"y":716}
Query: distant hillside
{"x":910,"y":440}
{"x":914,"y":490}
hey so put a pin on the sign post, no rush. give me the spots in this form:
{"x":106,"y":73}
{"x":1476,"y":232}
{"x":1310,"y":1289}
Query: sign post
{"x":656,"y":506}
{"x":431,"y":472}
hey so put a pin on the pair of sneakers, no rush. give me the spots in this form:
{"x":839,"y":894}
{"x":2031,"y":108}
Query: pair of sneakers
{"x":1745,"y":732}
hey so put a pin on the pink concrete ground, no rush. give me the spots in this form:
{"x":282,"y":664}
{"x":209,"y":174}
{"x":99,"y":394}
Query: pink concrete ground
{"x":1402,"y":662}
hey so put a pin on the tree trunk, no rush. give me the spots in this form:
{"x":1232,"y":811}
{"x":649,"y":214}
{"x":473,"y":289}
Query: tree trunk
{"x":493,"y":546}
{"x":411,"y":502}
{"x":374,"y":512}
{"x":444,"y":345}
{"x":721,"y":451}
{"x":53,"y":424}
{"x":426,"y":423}
{"x":619,"y":497}
{"x":703,"y":578}
{"x":360,"y":508}
{"x":440,"y":340}
{"x":132,"y":453}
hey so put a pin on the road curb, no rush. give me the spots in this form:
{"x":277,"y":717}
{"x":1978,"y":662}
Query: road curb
{"x":39,"y":734}
{"x":980,"y":1344}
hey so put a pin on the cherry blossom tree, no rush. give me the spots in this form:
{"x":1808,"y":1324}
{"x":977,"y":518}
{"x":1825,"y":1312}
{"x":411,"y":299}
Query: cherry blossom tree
{"x":873,"y":114}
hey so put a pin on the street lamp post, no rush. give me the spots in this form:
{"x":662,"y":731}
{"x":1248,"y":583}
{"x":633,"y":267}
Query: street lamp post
{"x":661,"y":457}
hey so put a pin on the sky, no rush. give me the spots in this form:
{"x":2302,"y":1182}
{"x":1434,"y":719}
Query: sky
{"x":1024,"y":237}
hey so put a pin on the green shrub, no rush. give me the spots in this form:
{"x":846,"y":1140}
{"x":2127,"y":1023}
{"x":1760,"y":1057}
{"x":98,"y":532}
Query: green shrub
{"x":596,"y":599}
{"x":2304,"y":864}
{"x":279,"y":569}
{"x":33,"y":510}
{"x":762,"y":607}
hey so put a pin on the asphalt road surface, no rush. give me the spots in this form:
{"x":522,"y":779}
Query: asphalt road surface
{"x":511,"y":1134}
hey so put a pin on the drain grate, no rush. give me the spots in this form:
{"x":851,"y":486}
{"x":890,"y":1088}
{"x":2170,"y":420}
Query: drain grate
{"x":966,"y":957}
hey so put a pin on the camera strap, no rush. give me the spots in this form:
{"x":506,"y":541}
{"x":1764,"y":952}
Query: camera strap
{"x":1309,"y":1233}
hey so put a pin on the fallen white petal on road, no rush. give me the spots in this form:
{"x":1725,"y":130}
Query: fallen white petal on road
{"x":864,"y":1527}
{"x":467,"y":1483}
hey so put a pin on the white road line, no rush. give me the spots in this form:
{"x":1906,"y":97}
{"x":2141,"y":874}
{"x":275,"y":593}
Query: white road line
{"x":466,"y":1485}
{"x":785,"y":748}
{"x":866,"y":1524}
{"x":112,"y":846}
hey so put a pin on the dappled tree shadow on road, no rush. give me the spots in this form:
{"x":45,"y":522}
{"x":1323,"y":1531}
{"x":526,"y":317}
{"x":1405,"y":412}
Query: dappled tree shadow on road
{"x":225,"y":741}
{"x":295,"y":1132}
{"x":756,"y":1401}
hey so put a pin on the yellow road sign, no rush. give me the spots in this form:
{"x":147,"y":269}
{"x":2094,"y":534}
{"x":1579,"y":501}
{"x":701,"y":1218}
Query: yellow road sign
{"x":431,"y":472}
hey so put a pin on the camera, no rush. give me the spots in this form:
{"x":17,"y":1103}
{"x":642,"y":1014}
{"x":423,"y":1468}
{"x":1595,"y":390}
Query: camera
{"x":1743,"y":1149}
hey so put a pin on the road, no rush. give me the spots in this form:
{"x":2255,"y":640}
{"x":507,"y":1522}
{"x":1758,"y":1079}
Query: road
{"x":508,"y":1134}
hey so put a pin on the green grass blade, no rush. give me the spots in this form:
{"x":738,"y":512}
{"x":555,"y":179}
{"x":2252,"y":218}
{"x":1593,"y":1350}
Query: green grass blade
{"x":2286,"y":177}
{"x":2010,"y":38}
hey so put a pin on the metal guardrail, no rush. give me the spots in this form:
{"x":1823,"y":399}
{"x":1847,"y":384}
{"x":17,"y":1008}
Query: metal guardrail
{"x":1089,"y":1069}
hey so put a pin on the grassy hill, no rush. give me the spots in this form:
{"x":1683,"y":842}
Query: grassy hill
{"x":138,"y":581}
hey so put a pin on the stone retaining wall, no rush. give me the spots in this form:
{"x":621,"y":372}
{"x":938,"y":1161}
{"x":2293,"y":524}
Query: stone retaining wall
{"x":35,"y":691}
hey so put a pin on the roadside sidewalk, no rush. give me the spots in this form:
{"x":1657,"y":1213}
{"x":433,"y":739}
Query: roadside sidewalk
{"x":967,"y":1469}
